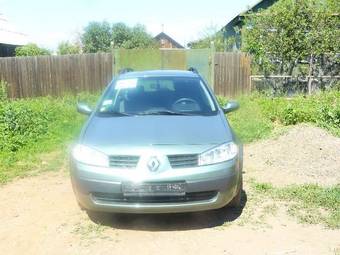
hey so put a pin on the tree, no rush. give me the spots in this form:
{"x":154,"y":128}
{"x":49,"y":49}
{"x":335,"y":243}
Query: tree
{"x":139,"y":38}
{"x":289,"y":32}
{"x":208,"y":35}
{"x":212,"y":34}
{"x":120,"y":33}
{"x":31,"y":49}
{"x":66,"y":47}
{"x":103,"y":37}
{"x":292,"y":32}
{"x":97,"y":37}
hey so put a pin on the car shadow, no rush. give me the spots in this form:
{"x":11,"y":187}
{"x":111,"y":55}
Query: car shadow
{"x":169,"y":222}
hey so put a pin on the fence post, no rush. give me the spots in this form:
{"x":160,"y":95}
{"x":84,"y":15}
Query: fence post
{"x":212,"y":65}
{"x":310,"y":75}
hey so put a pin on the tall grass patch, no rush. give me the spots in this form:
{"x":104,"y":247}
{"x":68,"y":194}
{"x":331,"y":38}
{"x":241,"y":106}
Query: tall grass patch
{"x":259,"y":114}
{"x":29,"y":127}
{"x":322,"y":109}
{"x":249,"y":122}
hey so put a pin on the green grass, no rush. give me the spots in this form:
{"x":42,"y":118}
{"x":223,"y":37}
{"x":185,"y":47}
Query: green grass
{"x":259,"y":115}
{"x":249,"y":122}
{"x":310,"y":203}
{"x":35,"y":133}
{"x":322,"y":109}
{"x":89,"y":230}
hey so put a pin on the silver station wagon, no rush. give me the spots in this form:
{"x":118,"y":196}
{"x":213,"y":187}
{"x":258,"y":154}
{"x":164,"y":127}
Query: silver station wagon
{"x":157,"y":142}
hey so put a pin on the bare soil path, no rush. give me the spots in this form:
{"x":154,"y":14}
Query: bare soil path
{"x":39,"y":215}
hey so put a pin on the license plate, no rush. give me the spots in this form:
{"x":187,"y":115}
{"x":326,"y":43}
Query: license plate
{"x":154,"y":189}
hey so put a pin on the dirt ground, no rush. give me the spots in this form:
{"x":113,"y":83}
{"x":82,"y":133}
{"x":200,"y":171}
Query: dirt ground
{"x":39,"y":215}
{"x":304,"y":154}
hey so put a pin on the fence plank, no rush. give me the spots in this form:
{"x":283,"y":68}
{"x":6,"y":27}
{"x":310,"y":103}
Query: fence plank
{"x":232,"y":72}
{"x":56,"y":75}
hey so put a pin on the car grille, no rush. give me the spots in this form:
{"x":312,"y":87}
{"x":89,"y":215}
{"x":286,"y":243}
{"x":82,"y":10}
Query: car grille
{"x":183,"y":160}
{"x":120,"y":198}
{"x":123,"y":161}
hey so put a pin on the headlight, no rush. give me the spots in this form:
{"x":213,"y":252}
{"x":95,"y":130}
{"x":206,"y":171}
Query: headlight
{"x":89,"y":156}
{"x":218,"y":154}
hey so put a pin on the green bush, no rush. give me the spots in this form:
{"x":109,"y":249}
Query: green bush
{"x":259,"y":114}
{"x":3,"y":90}
{"x":21,"y":124}
{"x":292,"y":115}
{"x":322,"y":109}
{"x":330,"y":116}
{"x":31,"y":49}
{"x":24,"y":122}
{"x":31,"y":129}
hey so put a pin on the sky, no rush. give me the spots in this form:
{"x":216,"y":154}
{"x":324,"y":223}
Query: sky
{"x":49,"y":22}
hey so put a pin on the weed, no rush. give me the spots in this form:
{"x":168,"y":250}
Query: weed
{"x":309,"y":203}
{"x":32,"y":128}
{"x":258,"y":115}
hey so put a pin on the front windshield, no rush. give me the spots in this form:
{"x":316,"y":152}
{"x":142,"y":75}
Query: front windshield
{"x":157,"y":95}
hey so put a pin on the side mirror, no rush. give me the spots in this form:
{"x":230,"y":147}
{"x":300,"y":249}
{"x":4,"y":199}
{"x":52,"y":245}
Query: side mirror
{"x":231,"y":106}
{"x":84,"y":108}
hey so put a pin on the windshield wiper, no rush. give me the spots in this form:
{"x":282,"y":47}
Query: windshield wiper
{"x":163,"y":112}
{"x":114,"y":113}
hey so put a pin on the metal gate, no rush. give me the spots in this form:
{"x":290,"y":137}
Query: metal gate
{"x":148,"y":59}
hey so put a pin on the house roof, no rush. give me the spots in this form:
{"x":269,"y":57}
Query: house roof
{"x":262,"y":4}
{"x":8,"y":35}
{"x":163,"y":35}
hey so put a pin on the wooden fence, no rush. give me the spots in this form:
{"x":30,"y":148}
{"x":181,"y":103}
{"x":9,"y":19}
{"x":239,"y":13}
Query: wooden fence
{"x":57,"y":75}
{"x":232,"y":74}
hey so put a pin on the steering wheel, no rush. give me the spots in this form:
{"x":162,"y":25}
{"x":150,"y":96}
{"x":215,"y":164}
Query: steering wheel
{"x":185,"y":100}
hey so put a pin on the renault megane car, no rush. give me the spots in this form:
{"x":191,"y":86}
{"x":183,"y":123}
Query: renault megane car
{"x":157,"y":142}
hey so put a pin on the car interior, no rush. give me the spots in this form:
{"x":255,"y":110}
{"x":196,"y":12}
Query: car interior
{"x":154,"y":94}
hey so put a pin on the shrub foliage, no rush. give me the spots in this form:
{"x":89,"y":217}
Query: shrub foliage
{"x":25,"y":122}
{"x":322,"y":109}
{"x":31,"y":49}
{"x":259,"y":114}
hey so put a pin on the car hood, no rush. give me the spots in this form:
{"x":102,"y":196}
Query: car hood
{"x":156,"y":130}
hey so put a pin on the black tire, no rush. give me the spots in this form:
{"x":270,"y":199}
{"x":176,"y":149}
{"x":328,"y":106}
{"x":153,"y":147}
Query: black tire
{"x":236,"y":201}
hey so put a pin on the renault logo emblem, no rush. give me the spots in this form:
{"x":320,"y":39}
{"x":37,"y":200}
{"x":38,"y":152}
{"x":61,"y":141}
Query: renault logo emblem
{"x":153,"y":164}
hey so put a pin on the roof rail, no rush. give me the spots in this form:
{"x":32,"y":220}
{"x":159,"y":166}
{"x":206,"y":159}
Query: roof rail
{"x":193,"y":69}
{"x":125,"y":70}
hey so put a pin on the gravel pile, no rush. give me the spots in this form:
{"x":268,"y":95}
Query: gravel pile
{"x":305,"y":154}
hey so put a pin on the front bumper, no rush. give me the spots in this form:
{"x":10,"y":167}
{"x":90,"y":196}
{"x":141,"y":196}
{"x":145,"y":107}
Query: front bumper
{"x":220,"y":180}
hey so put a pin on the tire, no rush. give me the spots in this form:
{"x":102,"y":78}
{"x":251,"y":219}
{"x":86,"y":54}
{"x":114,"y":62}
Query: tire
{"x":236,"y":201}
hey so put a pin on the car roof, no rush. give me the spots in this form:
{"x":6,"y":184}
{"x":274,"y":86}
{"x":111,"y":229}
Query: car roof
{"x":158,"y":73}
